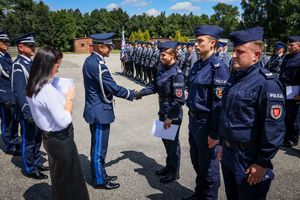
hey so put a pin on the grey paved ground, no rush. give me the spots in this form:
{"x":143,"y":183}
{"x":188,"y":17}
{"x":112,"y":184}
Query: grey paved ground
{"x":133,"y":153}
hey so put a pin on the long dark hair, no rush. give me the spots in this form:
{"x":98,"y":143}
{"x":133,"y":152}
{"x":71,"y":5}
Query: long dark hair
{"x":41,"y":69}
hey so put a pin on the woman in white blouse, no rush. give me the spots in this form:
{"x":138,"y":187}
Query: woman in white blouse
{"x":52,"y":113}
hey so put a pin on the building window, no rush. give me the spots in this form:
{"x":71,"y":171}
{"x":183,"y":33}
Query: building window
{"x":82,"y":45}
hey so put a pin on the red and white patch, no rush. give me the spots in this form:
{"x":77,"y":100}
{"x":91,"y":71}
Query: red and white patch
{"x":276,"y":111}
{"x":219,"y":92}
{"x":178,"y":93}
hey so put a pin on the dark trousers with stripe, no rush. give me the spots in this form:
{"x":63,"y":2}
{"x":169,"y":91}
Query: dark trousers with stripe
{"x":204,"y":159}
{"x":31,"y":143}
{"x":9,"y":127}
{"x":100,"y":136}
{"x":65,"y":170}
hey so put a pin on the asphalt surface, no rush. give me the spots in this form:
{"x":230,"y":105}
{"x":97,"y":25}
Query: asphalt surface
{"x":133,"y":154}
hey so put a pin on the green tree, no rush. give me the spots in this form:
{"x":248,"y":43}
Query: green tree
{"x":146,"y":36}
{"x":63,"y":31}
{"x":177,"y":36}
{"x":226,"y":16}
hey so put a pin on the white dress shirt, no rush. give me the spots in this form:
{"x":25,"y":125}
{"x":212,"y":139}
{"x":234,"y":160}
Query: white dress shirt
{"x":47,"y":109}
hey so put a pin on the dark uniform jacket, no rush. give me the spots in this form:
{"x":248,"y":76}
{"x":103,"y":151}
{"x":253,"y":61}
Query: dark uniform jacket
{"x":290,"y":70}
{"x":170,"y":87}
{"x":205,"y":85}
{"x":6,"y":93}
{"x":20,"y":74}
{"x":97,"y":109}
{"x":154,"y":58}
{"x":253,"y":113}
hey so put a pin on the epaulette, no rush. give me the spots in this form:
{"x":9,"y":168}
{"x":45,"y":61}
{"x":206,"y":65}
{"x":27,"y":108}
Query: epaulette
{"x":267,"y":74}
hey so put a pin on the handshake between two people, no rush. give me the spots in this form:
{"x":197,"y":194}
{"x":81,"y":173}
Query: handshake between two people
{"x":137,"y":95}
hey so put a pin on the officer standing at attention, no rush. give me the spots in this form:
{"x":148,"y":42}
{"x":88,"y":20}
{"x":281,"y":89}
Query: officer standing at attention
{"x":98,"y":110}
{"x":289,"y":77}
{"x":170,"y":86}
{"x":9,"y":124}
{"x":31,"y":138}
{"x":206,"y":81}
{"x":153,"y":63}
{"x":222,"y":53}
{"x":251,"y":120}
{"x":276,"y":59}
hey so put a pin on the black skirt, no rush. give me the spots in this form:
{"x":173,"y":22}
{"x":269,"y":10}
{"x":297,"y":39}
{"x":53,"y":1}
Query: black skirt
{"x":65,"y":171}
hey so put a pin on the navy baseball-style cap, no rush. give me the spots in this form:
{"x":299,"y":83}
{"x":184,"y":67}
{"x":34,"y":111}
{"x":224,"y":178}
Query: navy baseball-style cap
{"x":244,"y":36}
{"x":27,"y":38}
{"x":190,"y":44}
{"x":295,"y":38}
{"x":221,"y":44}
{"x":103,"y":38}
{"x":162,"y":46}
{"x":211,"y":30}
{"x":4,"y":36}
{"x":279,"y":45}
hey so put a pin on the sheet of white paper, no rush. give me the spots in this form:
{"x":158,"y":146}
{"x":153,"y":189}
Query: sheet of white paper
{"x":62,"y":84}
{"x":292,"y":91}
{"x":158,"y":130}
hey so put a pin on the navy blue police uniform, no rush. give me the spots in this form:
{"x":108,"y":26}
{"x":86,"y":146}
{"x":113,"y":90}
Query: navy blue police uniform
{"x":9,"y":124}
{"x":205,"y":85}
{"x":31,"y":137}
{"x":170,"y":86}
{"x":153,"y":64}
{"x":98,"y":110}
{"x":276,"y":59}
{"x":289,"y":77}
{"x":223,"y":55}
{"x":251,"y":124}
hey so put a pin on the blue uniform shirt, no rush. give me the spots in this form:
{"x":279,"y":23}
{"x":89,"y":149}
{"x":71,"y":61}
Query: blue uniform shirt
{"x":97,"y":109}
{"x":20,"y":74}
{"x":253,"y":112}
{"x":170,"y":87}
{"x":205,"y":85}
{"x":6,"y":93}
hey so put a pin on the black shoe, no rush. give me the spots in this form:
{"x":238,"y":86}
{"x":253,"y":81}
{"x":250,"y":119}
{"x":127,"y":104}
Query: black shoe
{"x":107,"y":186}
{"x":162,"y":172}
{"x":290,"y":144}
{"x":168,"y":178}
{"x":43,"y":168}
{"x":193,"y":197}
{"x":111,"y":178}
{"x":38,"y":175}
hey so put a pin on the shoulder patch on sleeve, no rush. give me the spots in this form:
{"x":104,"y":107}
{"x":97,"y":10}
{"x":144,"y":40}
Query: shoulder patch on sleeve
{"x":276,"y":111}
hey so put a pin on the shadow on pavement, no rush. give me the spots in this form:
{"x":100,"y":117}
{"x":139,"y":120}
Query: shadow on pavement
{"x":39,"y":191}
{"x":85,"y":165}
{"x":148,"y":165}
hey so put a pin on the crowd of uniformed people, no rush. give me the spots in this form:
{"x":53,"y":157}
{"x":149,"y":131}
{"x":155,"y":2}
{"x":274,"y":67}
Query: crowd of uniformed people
{"x":240,"y":111}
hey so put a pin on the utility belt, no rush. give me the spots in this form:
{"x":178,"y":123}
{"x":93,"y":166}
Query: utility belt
{"x":199,"y":115}
{"x":164,"y":98}
{"x":242,"y":145}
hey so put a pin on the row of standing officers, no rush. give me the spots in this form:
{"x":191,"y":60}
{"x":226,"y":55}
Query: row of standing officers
{"x":249,"y":103}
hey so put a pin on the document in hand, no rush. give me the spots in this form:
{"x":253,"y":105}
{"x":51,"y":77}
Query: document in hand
{"x":158,"y":130}
{"x":62,"y":84}
{"x":292,"y":91}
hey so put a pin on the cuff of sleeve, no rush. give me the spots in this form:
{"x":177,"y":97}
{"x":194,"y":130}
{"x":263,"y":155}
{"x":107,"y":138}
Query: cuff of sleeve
{"x":68,"y":117}
{"x":265,"y":163}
